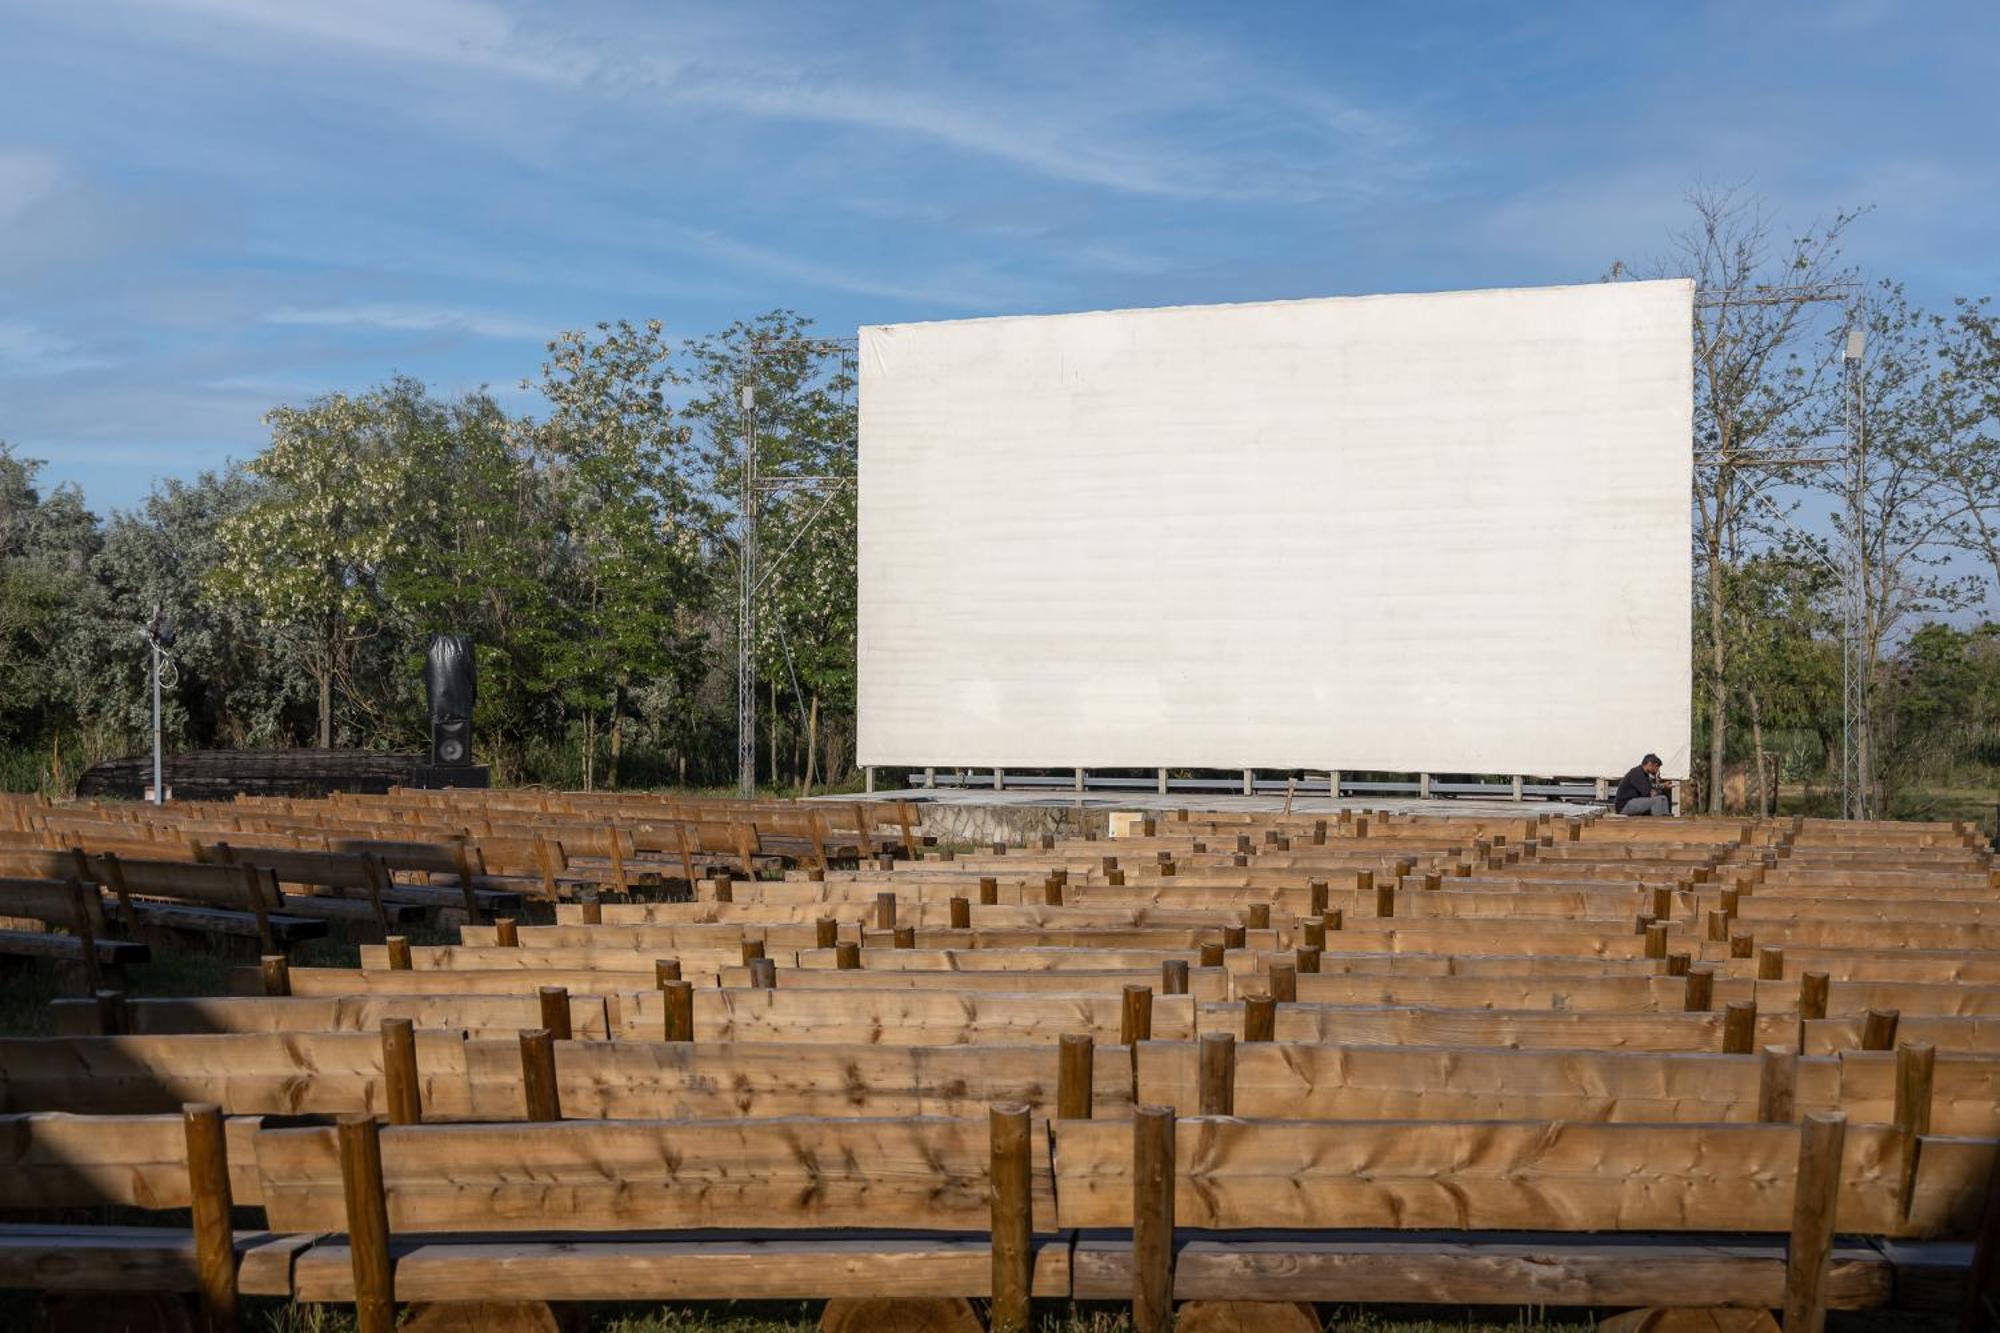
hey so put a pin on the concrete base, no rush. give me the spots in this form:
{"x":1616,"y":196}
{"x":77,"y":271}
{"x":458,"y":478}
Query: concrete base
{"x":972,"y":816}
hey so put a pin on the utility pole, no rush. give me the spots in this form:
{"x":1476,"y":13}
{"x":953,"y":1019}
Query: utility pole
{"x":746,"y":606}
{"x":159,"y":636}
{"x":1855,"y":766}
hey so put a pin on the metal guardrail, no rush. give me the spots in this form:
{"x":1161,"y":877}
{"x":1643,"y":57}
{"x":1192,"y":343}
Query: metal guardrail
{"x":1577,"y":789}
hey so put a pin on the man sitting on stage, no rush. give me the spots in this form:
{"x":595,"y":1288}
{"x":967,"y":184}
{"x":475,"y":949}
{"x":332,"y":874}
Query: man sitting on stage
{"x":1640,"y":792}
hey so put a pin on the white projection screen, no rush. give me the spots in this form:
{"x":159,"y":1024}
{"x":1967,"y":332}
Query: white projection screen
{"x":1440,"y":533}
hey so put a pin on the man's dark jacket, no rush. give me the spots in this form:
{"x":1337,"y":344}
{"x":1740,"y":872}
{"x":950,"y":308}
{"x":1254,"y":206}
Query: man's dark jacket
{"x":1635,"y":786}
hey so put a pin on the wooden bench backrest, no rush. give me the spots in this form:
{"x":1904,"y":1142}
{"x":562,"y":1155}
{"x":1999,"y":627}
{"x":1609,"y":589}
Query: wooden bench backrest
{"x":1477,"y":1176}
{"x":57,"y":1160}
{"x":920,"y":1174}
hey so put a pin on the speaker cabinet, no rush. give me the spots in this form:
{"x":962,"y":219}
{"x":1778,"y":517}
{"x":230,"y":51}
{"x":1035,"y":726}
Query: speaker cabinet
{"x":451,"y":741}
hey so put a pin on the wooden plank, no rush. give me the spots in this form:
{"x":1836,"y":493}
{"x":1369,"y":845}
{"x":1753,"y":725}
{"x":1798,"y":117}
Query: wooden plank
{"x":1391,"y":1025}
{"x":929,"y":1174}
{"x":775,"y":1268}
{"x":58,"y":1160}
{"x":918,"y":1017}
{"x":1459,"y":1175}
{"x":336,"y":1012}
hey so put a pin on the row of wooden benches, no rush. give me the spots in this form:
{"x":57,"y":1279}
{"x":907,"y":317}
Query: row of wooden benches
{"x":694,"y":1209}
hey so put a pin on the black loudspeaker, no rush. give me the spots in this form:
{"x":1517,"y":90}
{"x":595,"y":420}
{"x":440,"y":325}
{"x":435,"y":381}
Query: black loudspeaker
{"x":451,"y":741}
{"x":449,"y":681}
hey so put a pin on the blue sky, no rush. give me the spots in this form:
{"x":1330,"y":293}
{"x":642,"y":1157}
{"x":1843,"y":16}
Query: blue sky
{"x":208,"y":207}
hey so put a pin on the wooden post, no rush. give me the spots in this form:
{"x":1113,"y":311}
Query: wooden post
{"x":1663,"y":902}
{"x":401,"y":1091}
{"x":961,"y":914}
{"x":593,"y":908}
{"x":1699,"y":992}
{"x":113,"y":875}
{"x":1812,"y":995}
{"x":906,"y":937}
{"x":1257,"y":916}
{"x":1982,"y":1283}
{"x":847,"y":956}
{"x":506,"y":932}
{"x":1718,"y":926}
{"x":367,"y":1223}
{"x":1656,"y":939}
{"x":1013,"y":1219}
{"x":1878,"y":1029}
{"x":1739,"y":1027}
{"x":1916,"y":1069}
{"x":1313,"y":930}
{"x":751,"y":950}
{"x":665,"y":970}
{"x":538,"y":1074}
{"x":826,"y":933}
{"x":214,"y":1239}
{"x":989,"y":891}
{"x":1052,"y":892}
{"x":1770,"y":963}
{"x":1174,"y":976}
{"x":113,"y":1018}
{"x":1316,"y":892}
{"x":1742,"y":944}
{"x":399,"y":952}
{"x":277,"y":974}
{"x":724,"y":891}
{"x":1218,"y":1073}
{"x":1260,"y":1018}
{"x":764,"y":973}
{"x":1285,"y":983}
{"x":1152,"y":1219}
{"x":555,"y":1011}
{"x":680,"y":1010}
{"x":378,"y":888}
{"x":1234,"y":937}
{"x":253,"y":889}
{"x":86,"y":932}
{"x":1076,"y":1058}
{"x":1814,"y":1202}
{"x":885,"y":911}
{"x":1210,"y":955}
{"x":1308,"y":960}
{"x":1135,"y":1019}
{"x":1777,"y":1085}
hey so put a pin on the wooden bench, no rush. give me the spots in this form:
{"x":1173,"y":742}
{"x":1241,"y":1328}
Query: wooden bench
{"x":853,"y":1210}
{"x":77,"y":908}
{"x":63,"y":1163}
{"x":1373,"y":1211}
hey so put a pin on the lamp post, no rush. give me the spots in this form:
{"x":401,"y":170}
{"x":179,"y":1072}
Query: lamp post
{"x":159,"y":636}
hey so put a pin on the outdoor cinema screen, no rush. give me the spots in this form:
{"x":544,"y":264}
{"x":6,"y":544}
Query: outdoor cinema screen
{"x":1440,"y":533}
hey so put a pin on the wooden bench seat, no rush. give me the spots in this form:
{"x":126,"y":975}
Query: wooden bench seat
{"x":681,"y":1267}
{"x":1447,"y":1268}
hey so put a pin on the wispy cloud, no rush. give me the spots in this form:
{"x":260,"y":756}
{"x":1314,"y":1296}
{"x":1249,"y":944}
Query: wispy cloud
{"x":392,"y":317}
{"x":32,"y":350}
{"x":1092,"y":106}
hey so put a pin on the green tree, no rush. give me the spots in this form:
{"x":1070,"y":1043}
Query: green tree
{"x":803,"y":395}
{"x":310,"y":552}
{"x":1756,"y":294}
{"x":629,"y":525}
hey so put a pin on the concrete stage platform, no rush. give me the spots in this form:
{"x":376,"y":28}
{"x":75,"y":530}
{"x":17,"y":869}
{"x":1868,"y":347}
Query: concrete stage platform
{"x":972,"y":815}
